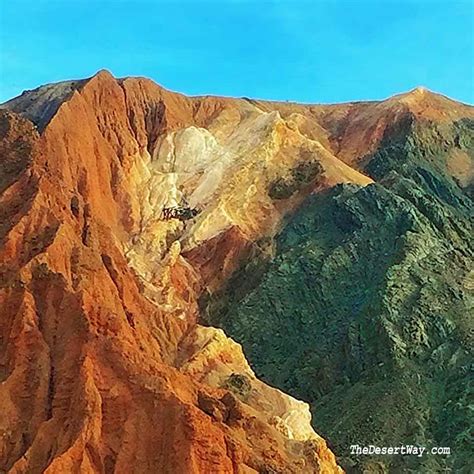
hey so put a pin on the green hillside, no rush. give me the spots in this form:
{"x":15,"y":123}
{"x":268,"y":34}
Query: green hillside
{"x":363,"y":305}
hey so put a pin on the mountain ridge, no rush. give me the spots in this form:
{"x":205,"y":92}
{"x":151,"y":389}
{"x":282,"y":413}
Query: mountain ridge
{"x":106,"y":300}
{"x":71,"y":85}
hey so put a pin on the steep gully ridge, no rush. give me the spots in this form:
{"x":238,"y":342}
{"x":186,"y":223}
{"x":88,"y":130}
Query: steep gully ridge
{"x":105,"y":365}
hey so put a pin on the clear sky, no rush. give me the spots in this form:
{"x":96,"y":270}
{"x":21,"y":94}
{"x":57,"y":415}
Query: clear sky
{"x":308,"y":51}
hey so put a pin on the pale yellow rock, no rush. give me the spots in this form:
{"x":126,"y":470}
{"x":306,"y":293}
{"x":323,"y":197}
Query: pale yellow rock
{"x":211,"y":357}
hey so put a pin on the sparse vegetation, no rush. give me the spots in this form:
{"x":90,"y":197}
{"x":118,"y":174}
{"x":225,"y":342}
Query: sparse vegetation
{"x":304,"y":173}
{"x":239,"y":384}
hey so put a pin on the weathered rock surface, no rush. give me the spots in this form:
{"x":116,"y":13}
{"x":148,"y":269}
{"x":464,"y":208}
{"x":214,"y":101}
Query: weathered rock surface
{"x":104,"y":366}
{"x":99,"y":305}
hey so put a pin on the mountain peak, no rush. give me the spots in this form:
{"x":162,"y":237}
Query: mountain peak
{"x":103,"y":73}
{"x":419,"y":91}
{"x":431,"y":105}
{"x":41,"y":104}
{"x":416,"y":94}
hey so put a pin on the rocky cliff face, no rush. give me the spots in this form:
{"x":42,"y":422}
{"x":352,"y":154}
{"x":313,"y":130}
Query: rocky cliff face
{"x":103,"y":366}
{"x":104,"y":363}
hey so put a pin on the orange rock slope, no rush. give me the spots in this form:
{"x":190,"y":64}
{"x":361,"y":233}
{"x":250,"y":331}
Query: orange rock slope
{"x":103,"y":367}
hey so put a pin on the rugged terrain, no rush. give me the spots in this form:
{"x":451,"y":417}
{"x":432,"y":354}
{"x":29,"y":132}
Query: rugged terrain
{"x":333,"y":242}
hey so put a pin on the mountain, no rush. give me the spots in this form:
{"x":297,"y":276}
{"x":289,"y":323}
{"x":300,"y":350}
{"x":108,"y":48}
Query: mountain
{"x":332,"y":241}
{"x":365,"y":302}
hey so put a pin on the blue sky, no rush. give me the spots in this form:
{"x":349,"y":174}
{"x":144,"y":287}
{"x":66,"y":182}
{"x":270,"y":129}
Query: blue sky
{"x":308,"y":51}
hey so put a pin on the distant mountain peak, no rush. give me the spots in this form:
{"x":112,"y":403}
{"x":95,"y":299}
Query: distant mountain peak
{"x":41,"y":104}
{"x":420,"y":90}
{"x":430,"y":105}
{"x":103,"y":73}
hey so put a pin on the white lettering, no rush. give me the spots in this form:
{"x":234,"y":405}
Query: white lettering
{"x":404,"y":450}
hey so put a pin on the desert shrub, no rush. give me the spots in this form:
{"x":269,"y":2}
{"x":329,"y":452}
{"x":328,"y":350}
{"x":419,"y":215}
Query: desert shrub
{"x":300,"y":176}
{"x":281,"y":188}
{"x":306,"y":171}
{"x":239,"y":384}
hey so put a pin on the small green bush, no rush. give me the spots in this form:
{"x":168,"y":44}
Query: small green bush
{"x":300,"y":176}
{"x":305,"y":172}
{"x":239,"y":384}
{"x":281,"y":189}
